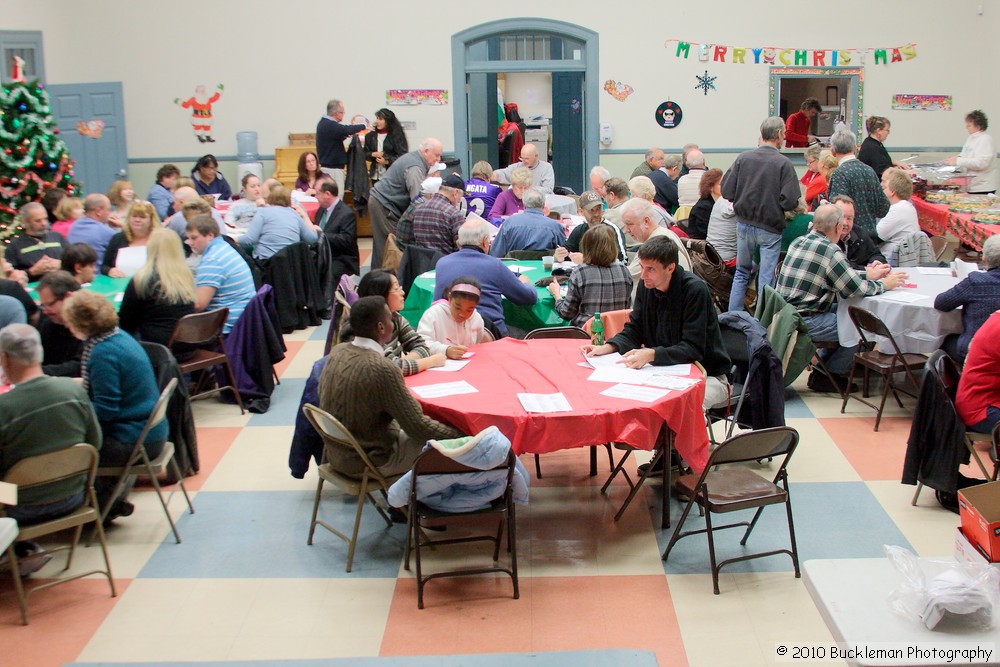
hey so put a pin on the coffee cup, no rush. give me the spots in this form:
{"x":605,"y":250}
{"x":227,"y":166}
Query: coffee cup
{"x":547,"y":262}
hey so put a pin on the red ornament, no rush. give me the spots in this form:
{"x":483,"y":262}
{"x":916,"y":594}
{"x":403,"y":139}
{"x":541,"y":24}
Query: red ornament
{"x":7,"y":151}
{"x":39,"y":164}
{"x":55,"y":130}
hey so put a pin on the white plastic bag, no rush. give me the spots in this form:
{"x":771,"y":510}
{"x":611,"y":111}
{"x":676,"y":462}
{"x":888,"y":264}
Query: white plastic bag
{"x":965,"y":593}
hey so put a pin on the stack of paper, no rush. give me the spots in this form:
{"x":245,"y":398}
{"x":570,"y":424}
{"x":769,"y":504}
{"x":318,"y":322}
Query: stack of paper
{"x":962,"y":269}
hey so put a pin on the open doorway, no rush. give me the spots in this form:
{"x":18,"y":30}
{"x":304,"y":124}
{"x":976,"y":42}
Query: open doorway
{"x":549,"y":70}
{"x":839,"y":91}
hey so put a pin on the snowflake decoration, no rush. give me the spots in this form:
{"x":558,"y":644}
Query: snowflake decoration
{"x":706,"y":83}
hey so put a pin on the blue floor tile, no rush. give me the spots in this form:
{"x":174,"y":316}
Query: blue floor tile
{"x":553,"y":659}
{"x":319,"y":333}
{"x":284,"y":404}
{"x":263,"y":534}
{"x":832,"y":520}
{"x":795,"y":407}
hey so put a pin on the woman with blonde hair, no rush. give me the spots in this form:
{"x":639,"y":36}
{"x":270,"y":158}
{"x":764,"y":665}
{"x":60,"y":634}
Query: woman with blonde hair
{"x":160,"y":293}
{"x":121,"y":194}
{"x":142,"y":220}
{"x":509,"y":201}
{"x":67,"y":211}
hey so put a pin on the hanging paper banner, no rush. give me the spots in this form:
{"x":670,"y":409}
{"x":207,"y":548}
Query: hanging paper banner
{"x":773,"y":55}
{"x":418,"y":96}
{"x":908,"y":102}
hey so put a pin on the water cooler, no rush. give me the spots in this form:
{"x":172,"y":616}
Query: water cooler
{"x":249,"y":159}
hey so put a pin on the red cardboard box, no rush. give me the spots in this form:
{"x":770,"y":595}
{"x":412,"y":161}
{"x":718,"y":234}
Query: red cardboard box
{"x":979,"y":508}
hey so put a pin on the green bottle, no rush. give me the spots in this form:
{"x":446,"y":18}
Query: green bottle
{"x":597,"y":330}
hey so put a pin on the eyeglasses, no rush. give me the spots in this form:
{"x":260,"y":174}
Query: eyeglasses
{"x":49,"y":305}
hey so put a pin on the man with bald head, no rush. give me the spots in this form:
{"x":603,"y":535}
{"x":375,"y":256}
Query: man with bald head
{"x":542,"y":175}
{"x":38,"y":250}
{"x":396,"y":189}
{"x":93,"y":228}
{"x":178,"y":221}
{"x":654,"y":160}
{"x":641,"y":224}
{"x":689,"y":185}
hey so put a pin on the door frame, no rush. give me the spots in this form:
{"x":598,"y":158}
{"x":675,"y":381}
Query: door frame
{"x":588,"y":64}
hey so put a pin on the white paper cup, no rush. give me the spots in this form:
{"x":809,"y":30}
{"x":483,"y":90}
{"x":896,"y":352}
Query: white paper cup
{"x":547,"y":262}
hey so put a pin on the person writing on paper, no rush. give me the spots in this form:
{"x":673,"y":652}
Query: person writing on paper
{"x":365,"y":391}
{"x":600,"y":284}
{"x":451,"y":324}
{"x":509,"y":202}
{"x":673,"y":321}
{"x":142,"y":220}
{"x":405,"y":348}
{"x":593,"y":213}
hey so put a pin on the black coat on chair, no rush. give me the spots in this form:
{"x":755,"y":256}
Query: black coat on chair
{"x":294,"y":275}
{"x":179,"y":416}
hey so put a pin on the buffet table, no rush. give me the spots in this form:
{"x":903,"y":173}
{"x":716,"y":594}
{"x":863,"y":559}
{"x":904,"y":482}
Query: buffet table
{"x":937,"y":220}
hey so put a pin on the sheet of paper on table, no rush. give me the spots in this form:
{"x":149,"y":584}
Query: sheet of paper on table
{"x":635,"y":392}
{"x":426,"y":274}
{"x":119,"y":297}
{"x":603,"y":361}
{"x":130,"y":260}
{"x":451,"y":365}
{"x":962,"y":269}
{"x":671,"y":381}
{"x":544,"y":402}
{"x":8,"y":493}
{"x":649,"y":375}
{"x":934,"y":270}
{"x":444,"y":389}
{"x":903,"y":297}
{"x":517,"y":268}
{"x":568,"y":265}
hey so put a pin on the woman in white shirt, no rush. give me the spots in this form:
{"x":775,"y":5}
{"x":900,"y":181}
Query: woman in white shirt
{"x":901,"y":220}
{"x":978,"y":156}
{"x":452,"y":323}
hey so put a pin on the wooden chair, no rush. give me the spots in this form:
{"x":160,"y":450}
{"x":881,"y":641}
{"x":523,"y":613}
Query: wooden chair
{"x":335,"y":434}
{"x":577,"y":333}
{"x":433,"y":462}
{"x":78,"y":461}
{"x":201,"y":330}
{"x":886,"y":365}
{"x":723,"y":487}
{"x":139,"y":463}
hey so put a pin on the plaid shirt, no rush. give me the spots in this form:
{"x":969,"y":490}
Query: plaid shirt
{"x":595,"y":289}
{"x":436,"y":223}
{"x":815,"y":270}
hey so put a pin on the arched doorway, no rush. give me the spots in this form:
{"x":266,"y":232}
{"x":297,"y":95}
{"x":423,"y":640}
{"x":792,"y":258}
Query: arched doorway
{"x":565,"y":51}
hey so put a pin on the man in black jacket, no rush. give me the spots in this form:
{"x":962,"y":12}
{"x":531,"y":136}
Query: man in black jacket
{"x":673,"y":321}
{"x":340,"y":226}
{"x":856,"y":243}
{"x":330,"y":135}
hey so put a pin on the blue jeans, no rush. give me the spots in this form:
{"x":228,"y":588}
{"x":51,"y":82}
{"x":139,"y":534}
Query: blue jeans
{"x":823,"y":328}
{"x":986,"y":426}
{"x":748,"y":239}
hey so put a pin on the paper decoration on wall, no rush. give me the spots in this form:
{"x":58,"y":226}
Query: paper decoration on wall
{"x":575,"y":105}
{"x":706,"y":82}
{"x":91,"y":128}
{"x":775,"y":55}
{"x":911,"y":102}
{"x":404,"y":97}
{"x":200,"y":105}
{"x":669,"y":115}
{"x":618,"y":90}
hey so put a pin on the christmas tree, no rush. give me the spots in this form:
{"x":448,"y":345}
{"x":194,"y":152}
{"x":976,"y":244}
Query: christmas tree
{"x":33,"y":158}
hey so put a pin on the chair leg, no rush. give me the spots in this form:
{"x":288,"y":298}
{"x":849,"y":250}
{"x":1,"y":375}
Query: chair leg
{"x":159,"y":494}
{"x":234,"y":386}
{"x":750,"y":526}
{"x":312,"y":522}
{"x":512,"y":547}
{"x":104,"y":549}
{"x":538,"y":466}
{"x":635,"y":488}
{"x":885,"y":394}
{"x":850,"y":379}
{"x":499,"y":539}
{"x":416,"y":557}
{"x":180,"y":483}
{"x":22,"y":602}
{"x":711,"y":550}
{"x":72,"y":547}
{"x":675,"y":537}
{"x":357,"y":523}
{"x":791,"y":531}
{"x":409,"y":538}
{"x":619,"y":468}
{"x":920,"y":487}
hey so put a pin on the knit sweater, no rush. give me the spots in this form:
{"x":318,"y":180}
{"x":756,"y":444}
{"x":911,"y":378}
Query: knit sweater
{"x":858,"y":181}
{"x":366,"y":392}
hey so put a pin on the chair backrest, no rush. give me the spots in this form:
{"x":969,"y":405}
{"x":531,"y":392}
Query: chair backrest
{"x":755,"y":445}
{"x":76,"y":461}
{"x":559,"y":332}
{"x":736,"y":345}
{"x":613,"y":320}
{"x":347,"y":289}
{"x":529,"y":255}
{"x":336,"y":434}
{"x":159,"y":411}
{"x":945,"y":372}
{"x":433,"y":462}
{"x":200,"y":328}
{"x":868,"y":322}
{"x":416,"y":260}
{"x":939,"y":244}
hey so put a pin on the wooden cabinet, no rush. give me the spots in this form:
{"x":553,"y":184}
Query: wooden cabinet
{"x":286,"y":170}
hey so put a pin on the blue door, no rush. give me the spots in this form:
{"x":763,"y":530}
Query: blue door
{"x":568,"y":141}
{"x":91,"y":120}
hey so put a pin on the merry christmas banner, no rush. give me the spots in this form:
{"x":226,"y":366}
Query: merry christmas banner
{"x":773,"y":55}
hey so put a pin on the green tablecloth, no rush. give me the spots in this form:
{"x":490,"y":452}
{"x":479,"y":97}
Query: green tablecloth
{"x":540,"y":315}
{"x":113,"y":288}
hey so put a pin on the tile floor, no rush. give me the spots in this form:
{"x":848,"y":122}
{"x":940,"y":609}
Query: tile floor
{"x":244,"y":589}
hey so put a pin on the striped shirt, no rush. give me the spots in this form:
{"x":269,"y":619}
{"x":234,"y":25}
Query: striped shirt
{"x":595,"y":289}
{"x":815,"y":270}
{"x":222,"y":267}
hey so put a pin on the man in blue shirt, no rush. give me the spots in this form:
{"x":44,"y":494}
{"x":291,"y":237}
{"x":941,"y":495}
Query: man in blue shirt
{"x":531,"y":230}
{"x":223,"y":279}
{"x":495,"y":279}
{"x":93,"y":228}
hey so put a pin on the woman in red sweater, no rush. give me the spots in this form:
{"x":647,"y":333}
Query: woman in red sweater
{"x":978,"y":397}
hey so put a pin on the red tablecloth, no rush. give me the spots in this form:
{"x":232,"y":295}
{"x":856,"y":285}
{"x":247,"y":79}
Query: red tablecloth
{"x":507,"y":367}
{"x":936,"y":219}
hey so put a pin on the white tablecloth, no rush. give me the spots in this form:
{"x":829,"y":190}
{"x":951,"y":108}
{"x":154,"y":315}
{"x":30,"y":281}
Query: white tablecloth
{"x":561,"y":203}
{"x":916,"y":326}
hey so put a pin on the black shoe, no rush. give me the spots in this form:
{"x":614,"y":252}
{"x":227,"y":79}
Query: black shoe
{"x":397,"y":515}
{"x":949,"y":501}
{"x":820,"y":382}
{"x":119,"y":509}
{"x":675,"y":462}
{"x":31,"y":562}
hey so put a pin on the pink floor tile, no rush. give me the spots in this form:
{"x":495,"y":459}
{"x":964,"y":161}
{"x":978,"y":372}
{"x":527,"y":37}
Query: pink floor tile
{"x":875,"y":456}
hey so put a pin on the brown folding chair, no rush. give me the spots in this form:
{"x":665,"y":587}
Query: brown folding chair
{"x":140,"y":464}
{"x":335,"y":434}
{"x":724,"y":487}
{"x":201,"y":330}
{"x":886,"y":365}
{"x":433,"y":462}
{"x":939,"y":244}
{"x":580,"y":334}
{"x":35,"y":471}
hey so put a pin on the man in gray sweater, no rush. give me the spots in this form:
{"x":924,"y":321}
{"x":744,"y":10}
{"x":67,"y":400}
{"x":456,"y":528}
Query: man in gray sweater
{"x":395,"y":190}
{"x":366,"y":392}
{"x":762,"y":185}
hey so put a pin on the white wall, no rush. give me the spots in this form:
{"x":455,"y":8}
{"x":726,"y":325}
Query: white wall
{"x":273,"y":62}
{"x":532,"y":91}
